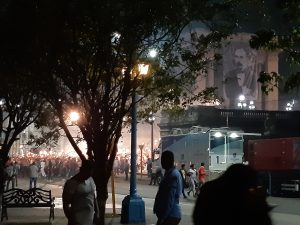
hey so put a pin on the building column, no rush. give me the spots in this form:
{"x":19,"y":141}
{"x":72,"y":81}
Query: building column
{"x":271,"y":100}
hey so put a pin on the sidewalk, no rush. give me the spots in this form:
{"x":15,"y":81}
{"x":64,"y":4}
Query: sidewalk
{"x":40,"y":216}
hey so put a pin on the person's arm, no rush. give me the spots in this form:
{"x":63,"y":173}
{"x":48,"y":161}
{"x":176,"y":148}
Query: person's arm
{"x":66,"y":198}
{"x":96,"y":208}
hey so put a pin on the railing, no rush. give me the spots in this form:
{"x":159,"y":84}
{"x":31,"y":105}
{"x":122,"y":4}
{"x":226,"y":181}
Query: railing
{"x":287,"y":122}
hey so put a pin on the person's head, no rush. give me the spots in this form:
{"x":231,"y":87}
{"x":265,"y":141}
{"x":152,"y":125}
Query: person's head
{"x":240,"y":59}
{"x":241,"y":176}
{"x":192,"y":166}
{"x":182,"y":166}
{"x":167,"y":160}
{"x":202,"y":164}
{"x":86,"y":169}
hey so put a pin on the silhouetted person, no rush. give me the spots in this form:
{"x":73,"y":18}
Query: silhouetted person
{"x":233,"y":198}
{"x":10,"y":175}
{"x":166,"y":204}
{"x":155,"y":175}
{"x":126,"y":169}
{"x":149,"y":167}
{"x":183,"y":174}
{"x":33,"y":175}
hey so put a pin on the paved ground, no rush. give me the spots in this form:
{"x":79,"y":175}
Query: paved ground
{"x":39,"y":216}
{"x":286,"y":211}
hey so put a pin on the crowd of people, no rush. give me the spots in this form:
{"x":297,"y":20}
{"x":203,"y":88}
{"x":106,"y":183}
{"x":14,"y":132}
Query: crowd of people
{"x":236,"y":190}
{"x":34,"y":167}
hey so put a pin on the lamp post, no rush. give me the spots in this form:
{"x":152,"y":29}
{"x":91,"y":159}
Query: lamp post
{"x":151,"y":120}
{"x":133,"y":206}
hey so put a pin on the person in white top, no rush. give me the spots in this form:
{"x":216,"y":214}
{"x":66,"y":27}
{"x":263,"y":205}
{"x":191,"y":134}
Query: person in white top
{"x":192,"y":173}
{"x":79,"y":197}
{"x":43,"y":163}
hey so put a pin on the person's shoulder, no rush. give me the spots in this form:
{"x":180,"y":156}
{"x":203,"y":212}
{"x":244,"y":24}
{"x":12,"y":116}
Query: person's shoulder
{"x":71,"y":182}
{"x":175,"y":173}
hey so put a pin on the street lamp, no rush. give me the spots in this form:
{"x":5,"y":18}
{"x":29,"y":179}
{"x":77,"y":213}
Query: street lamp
{"x":242,"y":102}
{"x":251,"y":105}
{"x":133,"y":206}
{"x":218,"y":134}
{"x":289,"y":106}
{"x":74,"y":116}
{"x":151,"y":120}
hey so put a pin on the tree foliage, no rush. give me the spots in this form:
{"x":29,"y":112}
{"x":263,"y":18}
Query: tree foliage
{"x":84,"y":56}
{"x":281,"y":36}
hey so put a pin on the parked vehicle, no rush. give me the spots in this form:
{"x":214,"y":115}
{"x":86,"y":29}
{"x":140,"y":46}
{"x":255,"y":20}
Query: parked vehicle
{"x":278,"y":163}
{"x":216,"y":147}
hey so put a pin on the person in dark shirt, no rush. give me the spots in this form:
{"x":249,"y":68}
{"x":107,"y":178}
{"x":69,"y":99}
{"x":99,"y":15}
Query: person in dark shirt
{"x":166,"y":204}
{"x":183,"y":174}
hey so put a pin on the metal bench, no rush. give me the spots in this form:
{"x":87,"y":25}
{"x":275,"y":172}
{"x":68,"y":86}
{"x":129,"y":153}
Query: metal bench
{"x":18,"y":198}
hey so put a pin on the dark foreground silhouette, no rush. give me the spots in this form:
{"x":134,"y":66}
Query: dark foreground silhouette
{"x":233,"y":198}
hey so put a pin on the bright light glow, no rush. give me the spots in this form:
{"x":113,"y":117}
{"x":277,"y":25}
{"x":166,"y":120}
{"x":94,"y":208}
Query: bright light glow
{"x":218,"y":134}
{"x":1,"y":102}
{"x":251,"y":107}
{"x":115,"y":37}
{"x":152,"y":53}
{"x":233,"y":135}
{"x":242,"y":97}
{"x":217,"y":102}
{"x":151,"y":117}
{"x":74,"y":116}
{"x":289,"y":106}
{"x":251,"y":102}
{"x":143,"y":69}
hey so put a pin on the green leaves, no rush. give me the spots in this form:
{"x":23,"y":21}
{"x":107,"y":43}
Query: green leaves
{"x":269,"y":81}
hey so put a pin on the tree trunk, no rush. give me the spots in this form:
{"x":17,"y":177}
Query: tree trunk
{"x":102,"y":196}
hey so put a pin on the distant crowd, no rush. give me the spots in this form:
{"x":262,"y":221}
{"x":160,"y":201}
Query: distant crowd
{"x":46,"y":167}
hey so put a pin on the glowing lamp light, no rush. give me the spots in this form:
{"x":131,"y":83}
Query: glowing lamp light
{"x":242,"y":97}
{"x":218,"y":134}
{"x":233,"y":135}
{"x":152,"y":53}
{"x":143,"y":69}
{"x":74,"y":116}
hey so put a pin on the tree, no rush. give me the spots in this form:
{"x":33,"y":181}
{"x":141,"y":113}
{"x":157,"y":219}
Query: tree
{"x":282,"y":35}
{"x":84,"y":55}
{"x":19,"y":108}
